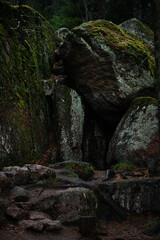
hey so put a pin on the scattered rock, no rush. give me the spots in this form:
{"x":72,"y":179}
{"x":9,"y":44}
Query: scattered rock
{"x":22,"y":177}
{"x":32,"y":225}
{"x":18,"y":175}
{"x":40,"y":172}
{"x":51,"y":225}
{"x":16,"y":213}
{"x":20,"y":194}
{"x":39,"y":225}
{"x":33,"y":215}
{"x":4,"y":181}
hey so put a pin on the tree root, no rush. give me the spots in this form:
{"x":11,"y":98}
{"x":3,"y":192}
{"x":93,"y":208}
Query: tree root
{"x":115,"y":210}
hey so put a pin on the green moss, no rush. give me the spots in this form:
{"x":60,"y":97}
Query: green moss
{"x":84,"y":172}
{"x":121,"y":41}
{"x":23,"y":64}
{"x":152,"y":223}
{"x":142,"y":29}
{"x":140,"y":103}
{"x":124,"y":165}
{"x":50,"y":81}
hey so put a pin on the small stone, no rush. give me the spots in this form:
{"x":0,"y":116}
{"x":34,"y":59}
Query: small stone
{"x":32,"y":225}
{"x":4,"y":181}
{"x":16,"y":213}
{"x":22,"y":177}
{"x":51,"y":225}
{"x":11,"y":169}
{"x":40,"y":172}
{"x":20,"y":194}
{"x":38,"y":216}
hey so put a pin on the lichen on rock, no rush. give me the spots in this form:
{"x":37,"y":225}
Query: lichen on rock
{"x":69,"y":116}
{"x":114,"y":66}
{"x":136,"y":138}
{"x":137,"y":27}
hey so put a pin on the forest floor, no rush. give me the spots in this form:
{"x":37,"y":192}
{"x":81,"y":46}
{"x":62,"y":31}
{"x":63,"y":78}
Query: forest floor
{"x":131,"y":229}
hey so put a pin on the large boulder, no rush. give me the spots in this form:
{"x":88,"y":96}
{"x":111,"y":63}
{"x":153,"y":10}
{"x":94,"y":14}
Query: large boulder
{"x":108,"y":65}
{"x":137,"y":27}
{"x":136,"y":138}
{"x":66,"y":205}
{"x":26,"y":56}
{"x":138,"y":196}
{"x":69,"y":124}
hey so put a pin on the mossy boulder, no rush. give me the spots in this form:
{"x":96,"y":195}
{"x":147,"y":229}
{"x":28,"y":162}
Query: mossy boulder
{"x":108,"y":65}
{"x":137,"y":27}
{"x":27,"y":46}
{"x":136,"y":138}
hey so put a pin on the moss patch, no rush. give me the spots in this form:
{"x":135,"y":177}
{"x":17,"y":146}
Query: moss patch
{"x":84,"y":172}
{"x":140,"y":104}
{"x":124,"y":165}
{"x":26,"y":56}
{"x":120,"y":40}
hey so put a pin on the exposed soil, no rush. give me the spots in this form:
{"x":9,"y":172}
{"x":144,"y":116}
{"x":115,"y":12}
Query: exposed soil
{"x":131,"y":229}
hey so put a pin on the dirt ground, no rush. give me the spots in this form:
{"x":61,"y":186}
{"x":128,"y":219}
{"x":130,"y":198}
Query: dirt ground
{"x":131,"y":229}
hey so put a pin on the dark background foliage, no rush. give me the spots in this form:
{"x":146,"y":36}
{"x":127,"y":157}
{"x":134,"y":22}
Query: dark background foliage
{"x":69,"y":13}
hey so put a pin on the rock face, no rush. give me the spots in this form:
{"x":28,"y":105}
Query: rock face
{"x":69,"y":115}
{"x":139,"y":28}
{"x":108,"y":66}
{"x":138,"y":195}
{"x":136,"y":138}
{"x":27,"y":55}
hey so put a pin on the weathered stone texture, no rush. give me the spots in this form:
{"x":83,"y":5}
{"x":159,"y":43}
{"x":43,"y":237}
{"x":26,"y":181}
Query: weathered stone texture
{"x":25,"y":58}
{"x":67,"y":205}
{"x":137,"y":27}
{"x":69,"y":121}
{"x":108,"y":66}
{"x":138,"y":196}
{"x":136,"y":138}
